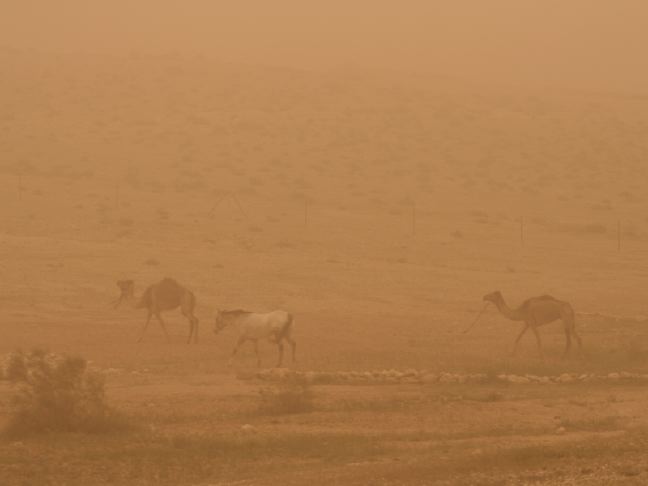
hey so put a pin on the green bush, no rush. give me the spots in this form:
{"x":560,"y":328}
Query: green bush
{"x":57,"y":394}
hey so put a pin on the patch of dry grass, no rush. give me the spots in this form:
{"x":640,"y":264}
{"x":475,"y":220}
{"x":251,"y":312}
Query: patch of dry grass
{"x":286,"y":398}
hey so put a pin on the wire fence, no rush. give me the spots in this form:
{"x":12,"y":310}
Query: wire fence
{"x":412,"y":220}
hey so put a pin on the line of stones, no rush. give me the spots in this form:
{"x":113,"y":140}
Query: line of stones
{"x":412,"y":376}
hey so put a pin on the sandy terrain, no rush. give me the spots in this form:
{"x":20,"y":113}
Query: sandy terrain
{"x":378,"y":210}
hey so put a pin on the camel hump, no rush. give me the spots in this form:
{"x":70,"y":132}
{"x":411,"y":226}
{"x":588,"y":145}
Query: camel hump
{"x":550,"y":297}
{"x":546,"y":297}
{"x":169,"y":283}
{"x":540,"y":298}
{"x":536,"y":300}
{"x":169,"y":292}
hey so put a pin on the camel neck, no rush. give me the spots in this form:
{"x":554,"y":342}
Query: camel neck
{"x":507,"y":311}
{"x":137,"y":301}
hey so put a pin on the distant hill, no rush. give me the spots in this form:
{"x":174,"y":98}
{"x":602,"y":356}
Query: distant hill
{"x":364,"y":137}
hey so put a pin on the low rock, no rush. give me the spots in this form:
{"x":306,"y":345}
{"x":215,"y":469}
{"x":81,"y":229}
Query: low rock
{"x":518,"y":380}
{"x":264,"y":374}
{"x":248,"y":429}
{"x":430,"y":378}
{"x":324,"y":377}
{"x":565,"y":378}
{"x":447,"y":378}
{"x":410,"y":380}
{"x":477,"y":378}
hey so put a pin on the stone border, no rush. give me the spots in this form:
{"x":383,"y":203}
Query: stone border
{"x":412,"y":376}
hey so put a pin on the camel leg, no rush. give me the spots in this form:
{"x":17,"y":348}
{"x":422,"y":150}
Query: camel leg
{"x":293,"y":344}
{"x":537,"y":335}
{"x":190,"y":332}
{"x":281,"y":349}
{"x":118,"y":301}
{"x":577,"y":337}
{"x":238,"y":345}
{"x":187,"y":307}
{"x":193,"y":329}
{"x":567,"y":341}
{"x":572,"y":329}
{"x":186,"y":311}
{"x":148,"y":319}
{"x":578,"y":341}
{"x":517,"y":340}
{"x":256,"y":351}
{"x":159,"y":318}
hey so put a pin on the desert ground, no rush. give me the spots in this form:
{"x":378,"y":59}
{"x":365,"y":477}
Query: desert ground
{"x":378,"y":209}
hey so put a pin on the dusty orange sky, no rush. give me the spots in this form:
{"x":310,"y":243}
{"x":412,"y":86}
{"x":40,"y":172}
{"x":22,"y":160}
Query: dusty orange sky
{"x":592,"y":44}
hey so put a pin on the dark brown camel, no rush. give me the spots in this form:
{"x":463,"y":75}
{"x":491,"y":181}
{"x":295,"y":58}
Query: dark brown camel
{"x":165,"y":295}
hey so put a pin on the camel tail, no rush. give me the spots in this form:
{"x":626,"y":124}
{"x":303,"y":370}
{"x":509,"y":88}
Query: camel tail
{"x":192,"y":301}
{"x":570,"y":317}
{"x":286,"y":329}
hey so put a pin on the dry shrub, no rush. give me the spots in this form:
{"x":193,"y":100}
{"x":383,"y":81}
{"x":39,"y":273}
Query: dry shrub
{"x":290,"y":397}
{"x":57,"y":394}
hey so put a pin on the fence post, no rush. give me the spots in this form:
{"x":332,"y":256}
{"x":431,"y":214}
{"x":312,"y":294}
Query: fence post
{"x":414,"y":219}
{"x":619,"y":235}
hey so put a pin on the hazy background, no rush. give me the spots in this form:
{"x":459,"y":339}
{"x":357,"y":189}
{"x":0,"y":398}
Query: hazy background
{"x":590,"y":44}
{"x":372,"y":167}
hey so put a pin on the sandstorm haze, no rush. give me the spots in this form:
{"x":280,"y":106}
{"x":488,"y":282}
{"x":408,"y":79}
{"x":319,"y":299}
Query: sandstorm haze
{"x":575,"y":43}
{"x":373,"y":170}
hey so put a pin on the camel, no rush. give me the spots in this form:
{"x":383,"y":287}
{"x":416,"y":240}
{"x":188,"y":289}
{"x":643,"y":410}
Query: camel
{"x":535,"y":312}
{"x":165,"y":295}
{"x":275,"y":326}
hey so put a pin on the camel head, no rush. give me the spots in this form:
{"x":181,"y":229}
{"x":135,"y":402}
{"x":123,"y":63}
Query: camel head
{"x":494,"y":297}
{"x":127,"y":289}
{"x":219,"y":322}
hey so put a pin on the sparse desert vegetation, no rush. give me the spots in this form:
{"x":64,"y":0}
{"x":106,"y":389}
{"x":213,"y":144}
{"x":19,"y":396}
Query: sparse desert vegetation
{"x":57,"y":394}
{"x":290,"y":397}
